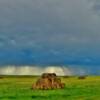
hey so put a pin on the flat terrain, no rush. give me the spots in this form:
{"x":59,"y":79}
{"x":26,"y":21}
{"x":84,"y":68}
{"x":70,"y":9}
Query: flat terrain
{"x":19,"y":88}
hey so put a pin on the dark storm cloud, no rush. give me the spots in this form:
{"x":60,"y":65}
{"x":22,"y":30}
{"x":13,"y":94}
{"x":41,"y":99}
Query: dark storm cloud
{"x":59,"y":27}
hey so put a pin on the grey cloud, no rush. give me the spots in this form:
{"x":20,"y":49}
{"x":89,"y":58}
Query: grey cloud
{"x":53,"y":23}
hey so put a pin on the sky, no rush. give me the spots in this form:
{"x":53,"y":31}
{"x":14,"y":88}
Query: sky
{"x":50,"y":32}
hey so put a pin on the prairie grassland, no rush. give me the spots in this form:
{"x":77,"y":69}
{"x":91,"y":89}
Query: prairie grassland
{"x":19,"y":88}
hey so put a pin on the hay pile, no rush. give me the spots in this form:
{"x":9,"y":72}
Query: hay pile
{"x":48,"y":81}
{"x":82,"y":77}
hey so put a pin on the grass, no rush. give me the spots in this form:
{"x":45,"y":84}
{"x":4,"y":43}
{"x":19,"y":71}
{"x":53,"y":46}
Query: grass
{"x":19,"y":88}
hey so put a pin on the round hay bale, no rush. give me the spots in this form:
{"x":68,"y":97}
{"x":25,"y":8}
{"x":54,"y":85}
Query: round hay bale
{"x":82,"y":77}
{"x":48,"y":81}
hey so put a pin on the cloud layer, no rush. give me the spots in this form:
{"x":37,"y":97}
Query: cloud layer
{"x":54,"y":22}
{"x":67,"y":30}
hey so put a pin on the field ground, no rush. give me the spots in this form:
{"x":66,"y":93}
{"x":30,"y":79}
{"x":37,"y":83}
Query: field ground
{"x":19,"y":88}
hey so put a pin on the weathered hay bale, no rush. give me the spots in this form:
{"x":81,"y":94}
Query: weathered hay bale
{"x":48,"y":75}
{"x":62,"y":85}
{"x":48,"y":81}
{"x":82,"y":77}
{"x":1,"y":77}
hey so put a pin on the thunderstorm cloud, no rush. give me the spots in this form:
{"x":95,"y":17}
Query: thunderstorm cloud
{"x":49,"y":32}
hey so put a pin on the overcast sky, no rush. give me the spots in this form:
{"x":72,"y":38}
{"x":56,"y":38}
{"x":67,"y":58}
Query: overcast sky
{"x":49,"y":32}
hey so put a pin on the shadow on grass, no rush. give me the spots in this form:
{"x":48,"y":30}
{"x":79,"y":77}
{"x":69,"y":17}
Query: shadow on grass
{"x":8,"y":97}
{"x":49,"y":96}
{"x":34,"y":97}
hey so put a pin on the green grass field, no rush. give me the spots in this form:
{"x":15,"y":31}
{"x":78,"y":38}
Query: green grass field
{"x":19,"y":88}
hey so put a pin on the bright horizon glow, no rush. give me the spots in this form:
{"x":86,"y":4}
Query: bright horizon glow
{"x":38,"y":70}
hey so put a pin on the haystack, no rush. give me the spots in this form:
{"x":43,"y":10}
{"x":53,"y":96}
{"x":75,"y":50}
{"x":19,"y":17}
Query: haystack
{"x":82,"y":77}
{"x":48,"y":81}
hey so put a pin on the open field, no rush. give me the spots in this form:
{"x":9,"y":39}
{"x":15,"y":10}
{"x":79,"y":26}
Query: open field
{"x":19,"y":88}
